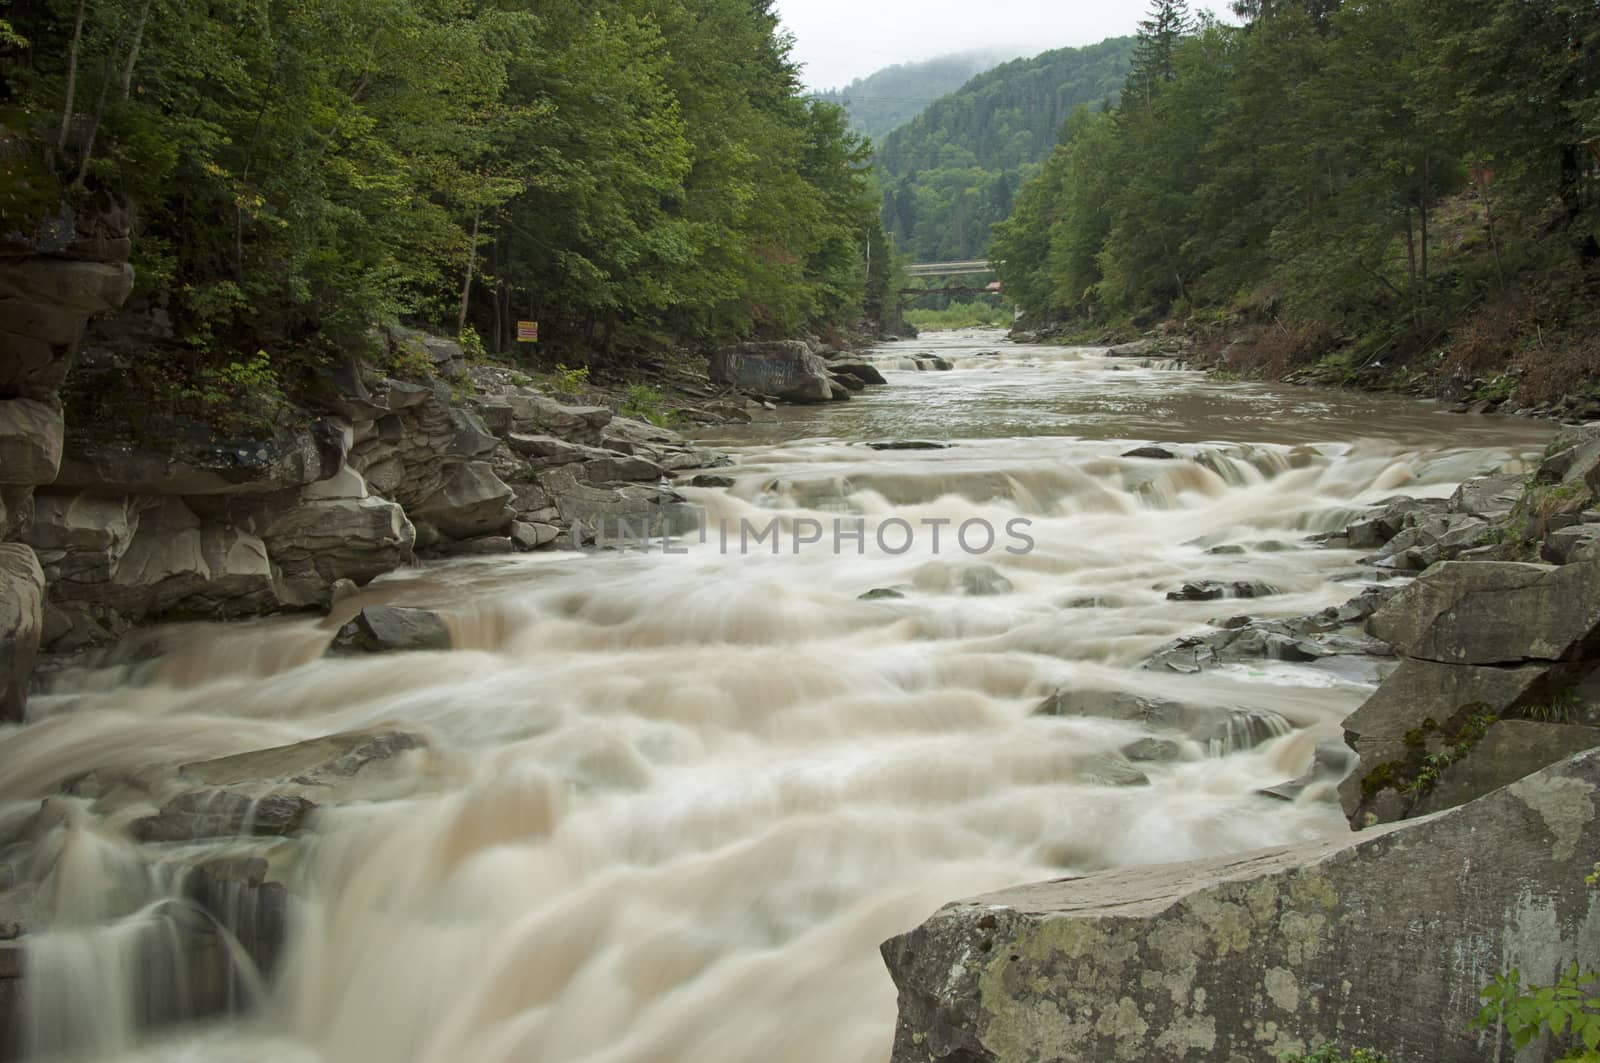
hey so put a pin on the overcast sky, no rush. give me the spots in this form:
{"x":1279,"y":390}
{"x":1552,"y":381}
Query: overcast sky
{"x":840,"y":40}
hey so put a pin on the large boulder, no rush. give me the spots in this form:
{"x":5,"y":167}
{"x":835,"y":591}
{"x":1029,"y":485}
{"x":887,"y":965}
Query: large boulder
{"x":1380,"y":939}
{"x":384,"y":628}
{"x":1495,"y":613}
{"x":536,"y":415}
{"x":21,"y":605}
{"x":784,"y":369}
{"x":320,"y":540}
{"x":471,"y":501}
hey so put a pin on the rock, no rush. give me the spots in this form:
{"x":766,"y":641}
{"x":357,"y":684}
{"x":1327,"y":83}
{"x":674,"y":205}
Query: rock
{"x":547,"y":452}
{"x":224,"y":814}
{"x":881,"y":594}
{"x":1572,"y":459}
{"x":472,"y":501}
{"x":537,"y":415}
{"x":1153,"y":751}
{"x":849,"y":383}
{"x":618,"y":516}
{"x":1380,"y":939}
{"x":710,"y":480}
{"x":197,"y":466}
{"x":327,"y":762}
{"x":1508,"y":751}
{"x":255,"y":911}
{"x":1153,"y":452}
{"x":1490,"y":497}
{"x":1200,"y":722}
{"x":1213,"y":590}
{"x":482,"y":546}
{"x":1494,"y":613}
{"x":386,"y":628}
{"x":908,"y":444}
{"x":1136,"y":349}
{"x":865,"y":372}
{"x":21,"y":622}
{"x":609,"y":467}
{"x":784,"y":369}
{"x":1389,"y":519}
{"x":530,"y":536}
{"x":837,"y":392}
{"x":1581,"y":542}
{"x":316,"y":544}
{"x":30,"y":442}
{"x":1428,"y":540}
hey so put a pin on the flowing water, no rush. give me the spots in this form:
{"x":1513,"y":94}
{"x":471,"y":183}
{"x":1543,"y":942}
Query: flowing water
{"x":671,"y":803}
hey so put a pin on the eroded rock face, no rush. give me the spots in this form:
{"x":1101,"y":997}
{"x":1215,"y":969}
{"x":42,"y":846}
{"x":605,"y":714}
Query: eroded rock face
{"x":1380,"y":939}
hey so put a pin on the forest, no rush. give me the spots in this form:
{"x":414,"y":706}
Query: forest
{"x":951,"y":173}
{"x":889,"y":98}
{"x":1387,"y":190}
{"x":631,"y":174}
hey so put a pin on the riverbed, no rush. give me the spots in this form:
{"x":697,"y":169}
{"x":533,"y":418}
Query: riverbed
{"x":673,"y":800}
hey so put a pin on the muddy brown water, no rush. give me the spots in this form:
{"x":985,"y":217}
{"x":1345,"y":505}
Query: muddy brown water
{"x":673,"y":802}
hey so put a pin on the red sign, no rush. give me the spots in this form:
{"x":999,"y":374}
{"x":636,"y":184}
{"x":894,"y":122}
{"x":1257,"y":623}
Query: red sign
{"x":527,"y":332}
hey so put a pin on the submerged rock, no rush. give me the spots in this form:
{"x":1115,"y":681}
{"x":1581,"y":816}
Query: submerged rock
{"x":1380,"y":939}
{"x":224,"y":814}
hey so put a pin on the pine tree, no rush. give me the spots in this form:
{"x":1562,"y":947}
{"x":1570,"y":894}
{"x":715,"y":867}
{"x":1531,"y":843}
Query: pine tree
{"x":1168,"y":22}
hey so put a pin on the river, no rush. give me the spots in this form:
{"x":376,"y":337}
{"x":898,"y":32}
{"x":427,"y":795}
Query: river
{"x":672,"y":802}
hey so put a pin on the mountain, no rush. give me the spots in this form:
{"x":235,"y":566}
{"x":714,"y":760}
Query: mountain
{"x":894,"y":95}
{"x":951,"y":172}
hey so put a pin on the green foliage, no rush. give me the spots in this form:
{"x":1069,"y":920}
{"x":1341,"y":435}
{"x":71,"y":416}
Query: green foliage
{"x":570,"y":381}
{"x":960,"y":315}
{"x":645,"y":403}
{"x":1374,"y":173}
{"x":1332,"y":1054}
{"x":1569,"y":1010}
{"x":628,"y":173}
{"x":240,"y":398}
{"x":889,"y":98}
{"x":954,"y":171}
{"x":472,"y":345}
{"x":1563,"y":708}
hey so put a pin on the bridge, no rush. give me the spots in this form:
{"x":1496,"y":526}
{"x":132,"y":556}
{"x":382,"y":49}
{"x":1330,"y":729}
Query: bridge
{"x":948,"y":269}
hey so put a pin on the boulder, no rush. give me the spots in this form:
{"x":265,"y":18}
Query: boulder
{"x":1152,"y":452}
{"x":1389,"y":519}
{"x":908,"y":444}
{"x":21,"y":621}
{"x":1381,"y":939}
{"x":30,"y":442}
{"x":531,"y":536}
{"x":472,"y":501}
{"x":785,"y":369}
{"x":386,"y":628}
{"x":316,"y":542}
{"x":1489,"y":497}
{"x":865,"y":372}
{"x":1580,"y":542}
{"x":1494,"y":613}
{"x":1214,"y":590}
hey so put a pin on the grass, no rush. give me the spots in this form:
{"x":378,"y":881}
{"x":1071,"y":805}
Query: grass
{"x":960,"y":315}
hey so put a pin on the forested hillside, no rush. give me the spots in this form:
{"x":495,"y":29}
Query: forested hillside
{"x":1402,"y":188}
{"x":629,"y":173}
{"x":951,"y":173}
{"x":891,"y":97}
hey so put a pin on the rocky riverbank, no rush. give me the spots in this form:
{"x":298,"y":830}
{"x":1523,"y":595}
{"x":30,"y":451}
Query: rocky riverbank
{"x":116,"y":511}
{"x":1489,"y":714}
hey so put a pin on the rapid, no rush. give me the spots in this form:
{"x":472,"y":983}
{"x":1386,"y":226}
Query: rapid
{"x":669,"y":804}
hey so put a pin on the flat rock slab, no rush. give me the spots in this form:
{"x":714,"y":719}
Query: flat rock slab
{"x":325,"y":761}
{"x":1380,"y":939}
{"x":1495,"y":613}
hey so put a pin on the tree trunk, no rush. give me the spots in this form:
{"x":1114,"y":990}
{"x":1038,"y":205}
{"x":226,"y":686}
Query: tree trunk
{"x":1411,"y":265}
{"x":72,"y":77}
{"x":472,"y":262}
{"x":133,"y":52}
{"x":1422,"y":201}
{"x":94,"y":124}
